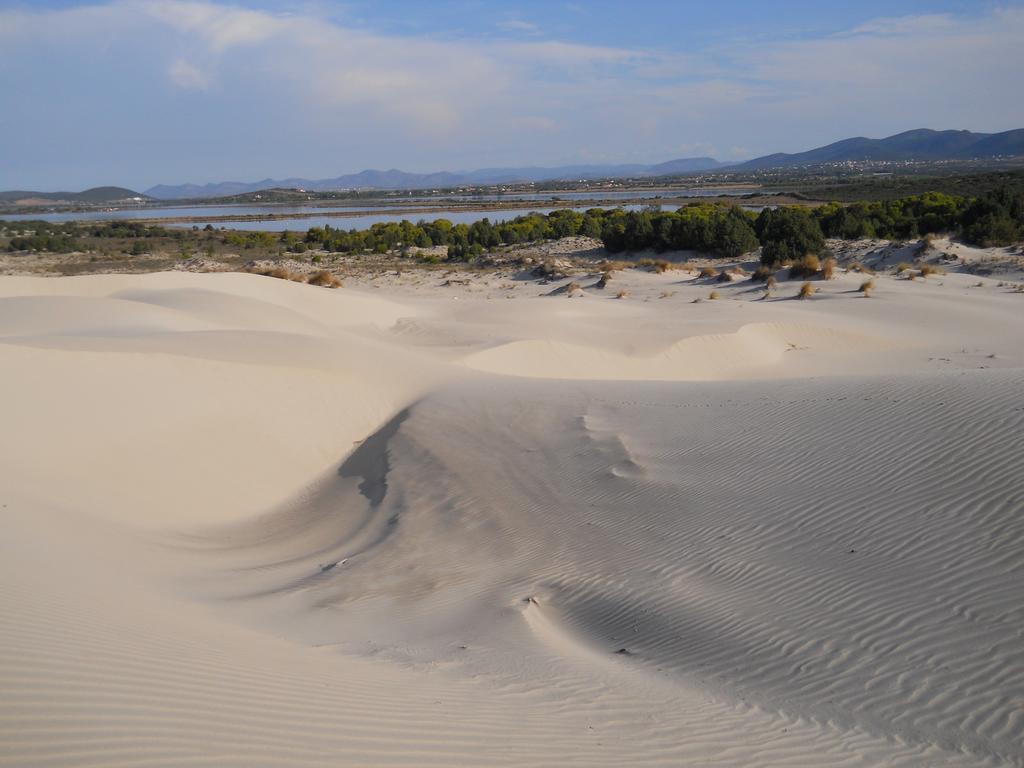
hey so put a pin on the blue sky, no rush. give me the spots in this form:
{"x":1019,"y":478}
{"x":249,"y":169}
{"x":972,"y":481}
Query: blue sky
{"x":139,"y":92}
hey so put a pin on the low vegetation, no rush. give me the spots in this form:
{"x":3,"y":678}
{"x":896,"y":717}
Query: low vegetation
{"x":787,"y":235}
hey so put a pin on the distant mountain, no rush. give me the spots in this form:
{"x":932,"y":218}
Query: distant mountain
{"x":395,"y":179}
{"x":921,"y":144}
{"x":95,"y":195}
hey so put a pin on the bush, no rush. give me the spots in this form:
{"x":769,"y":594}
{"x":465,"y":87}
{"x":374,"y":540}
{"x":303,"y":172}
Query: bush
{"x":714,"y":296}
{"x":762,"y":273}
{"x":867,"y":287}
{"x":787,"y":234}
{"x":828,"y":268}
{"x":708,"y":273}
{"x":806,"y":291}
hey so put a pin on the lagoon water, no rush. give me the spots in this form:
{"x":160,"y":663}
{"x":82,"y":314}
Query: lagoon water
{"x":307,"y":216}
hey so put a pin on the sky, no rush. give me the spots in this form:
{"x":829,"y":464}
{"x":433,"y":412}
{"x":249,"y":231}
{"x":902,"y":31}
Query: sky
{"x":141,"y":92}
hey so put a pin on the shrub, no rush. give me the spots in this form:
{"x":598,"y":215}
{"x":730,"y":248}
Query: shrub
{"x":902,"y":267}
{"x":708,"y":273}
{"x":807,"y":266}
{"x":828,"y":268}
{"x":788,"y":234}
{"x":867,"y":287}
{"x":762,"y":273}
{"x":771,"y":282}
{"x":623,"y":294}
{"x":929,"y":269}
{"x":714,"y":296}
{"x":856,"y":266}
{"x":806,"y":291}
{"x":603,"y":282}
{"x":325,"y":279}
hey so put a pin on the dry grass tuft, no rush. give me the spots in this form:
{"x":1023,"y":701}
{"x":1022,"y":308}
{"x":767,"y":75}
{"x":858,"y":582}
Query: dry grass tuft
{"x":605,"y":277}
{"x":714,"y":296}
{"x":573,"y":288}
{"x":929,"y":269}
{"x":615,"y":266}
{"x":856,"y":266}
{"x":808,"y":266}
{"x":666,"y":294}
{"x":903,"y":267}
{"x":708,"y":273}
{"x":828,"y":268}
{"x":280,"y":273}
{"x":623,"y":294}
{"x":762,"y":273}
{"x":658,"y":265}
{"x":771,"y":282}
{"x":806,"y":291}
{"x":867,"y":287}
{"x":325,"y":279}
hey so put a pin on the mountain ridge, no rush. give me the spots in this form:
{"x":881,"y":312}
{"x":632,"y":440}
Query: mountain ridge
{"x":916,"y":144}
{"x":394,"y":178}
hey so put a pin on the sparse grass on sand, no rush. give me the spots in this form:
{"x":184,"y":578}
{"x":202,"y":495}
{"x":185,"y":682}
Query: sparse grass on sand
{"x":714,"y":296}
{"x":708,"y":273}
{"x":856,"y":266}
{"x":808,"y":266}
{"x":325,"y":279}
{"x":623,"y":294}
{"x":806,"y":291}
{"x":867,"y":287}
{"x":828,"y":268}
{"x":281,"y":273}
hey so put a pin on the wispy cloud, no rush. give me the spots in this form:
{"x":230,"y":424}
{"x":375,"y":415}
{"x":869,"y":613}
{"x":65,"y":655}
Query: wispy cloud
{"x":312,"y":88}
{"x":188,"y":76}
{"x":518,"y":25}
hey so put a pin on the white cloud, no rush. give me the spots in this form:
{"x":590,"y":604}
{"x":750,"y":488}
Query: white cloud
{"x":518,"y":25}
{"x":431,"y":103}
{"x":187,"y":76}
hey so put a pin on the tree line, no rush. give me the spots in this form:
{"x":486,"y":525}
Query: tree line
{"x":784,"y":233}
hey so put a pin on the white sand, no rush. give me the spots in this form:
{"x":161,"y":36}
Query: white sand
{"x":249,"y":522}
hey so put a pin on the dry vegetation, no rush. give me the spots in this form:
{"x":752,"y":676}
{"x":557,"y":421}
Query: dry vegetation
{"x":808,"y":266}
{"x":806,"y":291}
{"x":325,"y":279}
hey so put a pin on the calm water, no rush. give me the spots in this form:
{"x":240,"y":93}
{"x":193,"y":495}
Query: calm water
{"x":302,"y":223}
{"x":597,"y":194}
{"x":160,"y":213}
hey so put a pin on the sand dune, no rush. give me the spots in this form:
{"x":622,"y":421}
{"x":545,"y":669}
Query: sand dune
{"x":250,"y":522}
